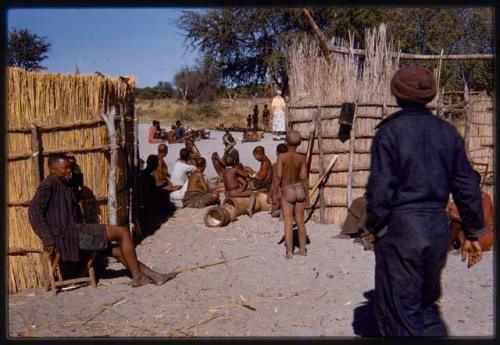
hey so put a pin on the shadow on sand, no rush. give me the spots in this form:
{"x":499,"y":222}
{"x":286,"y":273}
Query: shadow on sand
{"x":364,"y":323}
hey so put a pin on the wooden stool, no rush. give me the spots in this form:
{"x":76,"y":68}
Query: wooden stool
{"x":55,"y":279}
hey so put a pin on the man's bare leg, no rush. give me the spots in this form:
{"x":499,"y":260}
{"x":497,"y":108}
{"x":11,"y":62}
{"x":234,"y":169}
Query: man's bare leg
{"x":287,"y":213}
{"x":301,"y":227}
{"x":127,"y":251}
{"x":158,"y":277}
{"x":245,"y":194}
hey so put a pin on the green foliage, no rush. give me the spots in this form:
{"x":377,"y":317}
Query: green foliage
{"x":162,"y":90}
{"x":26,"y":50}
{"x":198,"y":84}
{"x":208,"y":109}
{"x":248,"y":43}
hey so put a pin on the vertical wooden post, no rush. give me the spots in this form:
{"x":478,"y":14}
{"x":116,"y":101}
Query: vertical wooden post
{"x":113,"y":163}
{"x":350,"y":168}
{"x":135,"y":178}
{"x":321,"y":166}
{"x":37,"y":155}
{"x":468,"y":109}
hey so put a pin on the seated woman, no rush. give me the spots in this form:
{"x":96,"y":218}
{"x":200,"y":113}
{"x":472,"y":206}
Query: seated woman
{"x":156,"y":135}
{"x":457,"y":234}
{"x":199,"y":194}
{"x":172,"y":139}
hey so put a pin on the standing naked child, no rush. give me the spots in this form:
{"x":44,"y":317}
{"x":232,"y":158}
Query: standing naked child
{"x":293,"y":180}
{"x":234,"y":177}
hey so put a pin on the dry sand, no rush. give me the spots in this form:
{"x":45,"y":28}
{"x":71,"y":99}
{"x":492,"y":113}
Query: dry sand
{"x":326,"y":293}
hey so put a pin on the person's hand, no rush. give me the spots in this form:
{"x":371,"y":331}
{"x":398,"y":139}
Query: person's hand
{"x":471,"y":250}
{"x":370,"y":238}
{"x":48,"y":249}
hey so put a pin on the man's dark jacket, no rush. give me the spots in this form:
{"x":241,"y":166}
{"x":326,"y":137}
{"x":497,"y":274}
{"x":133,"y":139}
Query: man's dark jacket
{"x":417,"y":159}
{"x":53,"y":213}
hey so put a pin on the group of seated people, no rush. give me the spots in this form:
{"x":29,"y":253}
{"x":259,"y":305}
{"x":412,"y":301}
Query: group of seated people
{"x":188,"y":183}
{"x":157,"y":134}
{"x":176,"y":134}
{"x":354,"y":225}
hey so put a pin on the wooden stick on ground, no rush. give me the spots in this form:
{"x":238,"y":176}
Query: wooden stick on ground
{"x":188,"y":269}
{"x":106,"y":306}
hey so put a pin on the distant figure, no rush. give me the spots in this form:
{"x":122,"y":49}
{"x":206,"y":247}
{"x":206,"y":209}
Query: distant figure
{"x":293,"y":178}
{"x":275,"y":196}
{"x":457,"y":233}
{"x":198,"y":194}
{"x":171,"y":135}
{"x":278,"y":107}
{"x":255,"y":118}
{"x":156,"y":134}
{"x":234,"y":177}
{"x":266,"y":115}
{"x":180,"y":174}
{"x":249,"y":121}
{"x":264,"y":177}
{"x":229,"y":150}
{"x":180,"y":132}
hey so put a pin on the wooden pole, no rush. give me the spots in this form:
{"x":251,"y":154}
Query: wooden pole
{"x":322,"y":40}
{"x":135,"y":178}
{"x":37,"y":155}
{"x":113,"y":163}
{"x":406,"y":56}
{"x":468,"y":109}
{"x":322,"y":178}
{"x":351,"y":159}
{"x":321,"y":166}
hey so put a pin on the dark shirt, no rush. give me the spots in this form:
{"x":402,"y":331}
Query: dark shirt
{"x":417,"y":159}
{"x":180,"y":132}
{"x":53,"y":214}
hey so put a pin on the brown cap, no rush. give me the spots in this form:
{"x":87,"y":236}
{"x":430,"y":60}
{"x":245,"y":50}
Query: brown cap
{"x":414,"y":84}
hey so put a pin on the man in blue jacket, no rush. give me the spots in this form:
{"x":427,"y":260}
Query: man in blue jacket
{"x":417,"y":159}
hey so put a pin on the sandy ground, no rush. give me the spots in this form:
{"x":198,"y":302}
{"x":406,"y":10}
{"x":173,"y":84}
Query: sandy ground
{"x":327,"y":293}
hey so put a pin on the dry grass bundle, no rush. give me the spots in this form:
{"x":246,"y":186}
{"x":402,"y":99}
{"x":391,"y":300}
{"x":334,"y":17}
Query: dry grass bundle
{"x":67,"y":109}
{"x":348,"y":79}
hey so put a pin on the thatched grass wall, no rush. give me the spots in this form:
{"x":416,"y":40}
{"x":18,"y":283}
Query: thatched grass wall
{"x":66,"y":111}
{"x":481,"y":138}
{"x":317,"y":91}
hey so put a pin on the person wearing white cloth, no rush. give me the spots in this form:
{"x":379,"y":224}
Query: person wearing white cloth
{"x":180,"y":174}
{"x":278,"y":107}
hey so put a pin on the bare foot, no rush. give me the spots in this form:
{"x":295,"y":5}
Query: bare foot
{"x":250,"y":212}
{"x":289,"y":255}
{"x":140,"y":282}
{"x":302,"y":252}
{"x":163,"y":278}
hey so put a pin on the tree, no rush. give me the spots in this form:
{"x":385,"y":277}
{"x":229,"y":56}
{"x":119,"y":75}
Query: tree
{"x":198,"y":84}
{"x":246,"y":43}
{"x":26,"y":50}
